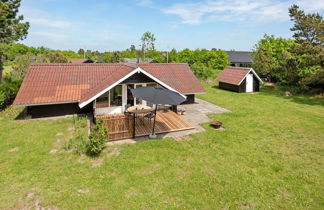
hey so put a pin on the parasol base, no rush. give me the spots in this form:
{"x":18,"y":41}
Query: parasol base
{"x":152,"y":136}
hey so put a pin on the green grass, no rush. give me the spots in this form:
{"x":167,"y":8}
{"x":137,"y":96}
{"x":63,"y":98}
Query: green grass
{"x":271,"y":155}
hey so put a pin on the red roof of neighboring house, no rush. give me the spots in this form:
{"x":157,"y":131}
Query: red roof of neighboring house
{"x":233,"y":75}
{"x":62,"y":83}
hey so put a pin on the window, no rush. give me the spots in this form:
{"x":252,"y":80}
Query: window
{"x":103,"y":97}
{"x":151,"y":85}
{"x":116,"y":96}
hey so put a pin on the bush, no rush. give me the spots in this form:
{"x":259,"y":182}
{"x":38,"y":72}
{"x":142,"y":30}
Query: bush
{"x":295,"y":89}
{"x":8,"y":92}
{"x":202,"y":71}
{"x":80,"y":141}
{"x":97,"y":139}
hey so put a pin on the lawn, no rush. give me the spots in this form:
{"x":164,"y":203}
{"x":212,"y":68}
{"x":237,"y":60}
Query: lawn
{"x":271,"y":155}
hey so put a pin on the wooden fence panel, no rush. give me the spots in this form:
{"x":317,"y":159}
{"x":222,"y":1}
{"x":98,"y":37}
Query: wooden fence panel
{"x":120,"y":126}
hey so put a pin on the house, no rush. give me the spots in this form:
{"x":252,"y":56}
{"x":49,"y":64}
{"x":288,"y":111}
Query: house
{"x":62,"y":89}
{"x":80,"y":60}
{"x":239,"y":79}
{"x":240,"y":58}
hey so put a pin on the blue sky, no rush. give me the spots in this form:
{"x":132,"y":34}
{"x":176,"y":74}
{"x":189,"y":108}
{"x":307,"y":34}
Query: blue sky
{"x":107,"y":25}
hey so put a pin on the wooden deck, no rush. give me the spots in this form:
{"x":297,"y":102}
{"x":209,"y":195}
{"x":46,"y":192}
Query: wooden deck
{"x":166,"y":121}
{"x":121,"y":126}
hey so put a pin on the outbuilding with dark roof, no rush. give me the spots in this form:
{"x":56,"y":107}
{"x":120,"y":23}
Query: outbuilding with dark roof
{"x":240,"y":58}
{"x":239,"y":79}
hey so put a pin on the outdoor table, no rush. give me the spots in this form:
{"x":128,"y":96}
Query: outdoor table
{"x":138,"y":108}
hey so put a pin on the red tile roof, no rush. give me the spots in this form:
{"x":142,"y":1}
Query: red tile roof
{"x":62,"y":83}
{"x":233,"y":75}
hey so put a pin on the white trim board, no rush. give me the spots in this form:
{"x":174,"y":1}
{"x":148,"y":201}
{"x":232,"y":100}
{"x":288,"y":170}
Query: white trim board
{"x":137,"y":70}
{"x":251,"y":69}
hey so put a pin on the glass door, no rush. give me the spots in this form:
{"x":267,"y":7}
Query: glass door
{"x":138,"y":101}
{"x":130,"y":99}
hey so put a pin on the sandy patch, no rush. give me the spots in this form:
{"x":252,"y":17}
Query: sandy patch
{"x":150,"y":170}
{"x":98,"y":162}
{"x":60,"y":134}
{"x":183,"y":138}
{"x":15,"y":149}
{"x":83,"y":191}
{"x":30,"y":201}
{"x":221,"y":129}
{"x":131,"y":193}
{"x":123,"y":141}
{"x":30,"y":194}
{"x":53,"y":151}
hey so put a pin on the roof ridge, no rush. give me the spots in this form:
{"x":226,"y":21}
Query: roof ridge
{"x":74,"y":64}
{"x":102,"y":64}
{"x":236,"y":67}
{"x":238,"y":51}
{"x":163,"y":63}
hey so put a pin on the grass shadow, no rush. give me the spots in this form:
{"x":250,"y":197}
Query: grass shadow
{"x":22,"y":115}
{"x":298,"y":98}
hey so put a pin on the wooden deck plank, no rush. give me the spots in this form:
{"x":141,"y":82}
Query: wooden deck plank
{"x":165,"y":122}
{"x":120,"y":125}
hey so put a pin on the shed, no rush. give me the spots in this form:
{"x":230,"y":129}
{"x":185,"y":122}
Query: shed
{"x":239,"y":79}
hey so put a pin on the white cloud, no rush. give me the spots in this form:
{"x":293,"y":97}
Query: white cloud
{"x":41,"y":18}
{"x":239,"y":10}
{"x":49,"y":23}
{"x":144,"y":3}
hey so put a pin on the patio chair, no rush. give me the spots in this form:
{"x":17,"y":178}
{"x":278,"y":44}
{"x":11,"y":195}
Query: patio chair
{"x":149,"y":116}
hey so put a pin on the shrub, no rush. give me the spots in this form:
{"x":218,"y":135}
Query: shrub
{"x":202,"y":71}
{"x":80,"y":140}
{"x":78,"y":143}
{"x":97,"y":139}
{"x":295,"y":89}
{"x":8,"y":92}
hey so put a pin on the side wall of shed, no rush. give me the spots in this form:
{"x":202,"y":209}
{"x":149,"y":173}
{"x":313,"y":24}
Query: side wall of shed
{"x":242,"y":87}
{"x":227,"y":86}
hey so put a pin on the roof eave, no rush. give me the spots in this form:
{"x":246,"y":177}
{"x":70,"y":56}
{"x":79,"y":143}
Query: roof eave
{"x":49,"y":103}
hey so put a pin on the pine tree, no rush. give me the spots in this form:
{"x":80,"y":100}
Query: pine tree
{"x":12,"y":27}
{"x":309,"y":51}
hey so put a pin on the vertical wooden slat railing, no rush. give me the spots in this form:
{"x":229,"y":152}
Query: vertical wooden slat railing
{"x":120,"y":126}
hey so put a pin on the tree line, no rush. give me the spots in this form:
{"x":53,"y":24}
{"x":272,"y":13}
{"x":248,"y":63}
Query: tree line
{"x":297,"y":62}
{"x":203,"y":62}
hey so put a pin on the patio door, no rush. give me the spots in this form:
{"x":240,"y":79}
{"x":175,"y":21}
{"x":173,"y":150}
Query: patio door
{"x":138,"y":101}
